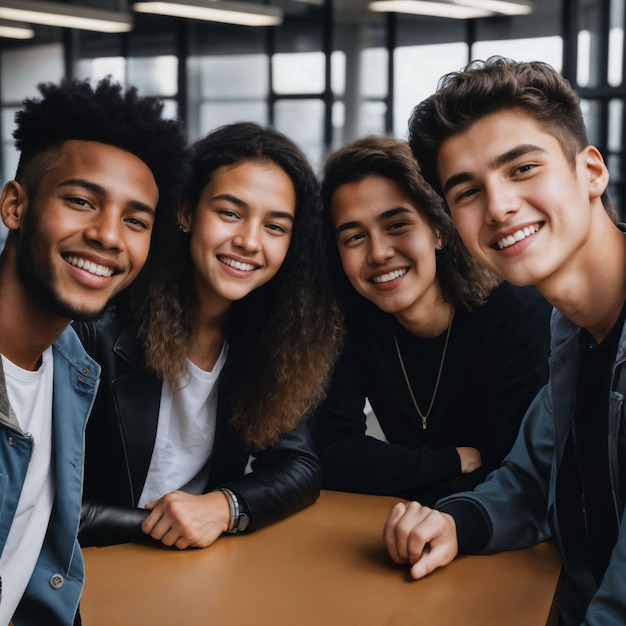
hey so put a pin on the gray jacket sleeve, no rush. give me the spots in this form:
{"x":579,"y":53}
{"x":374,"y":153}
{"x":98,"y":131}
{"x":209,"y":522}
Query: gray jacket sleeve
{"x":509,"y":510}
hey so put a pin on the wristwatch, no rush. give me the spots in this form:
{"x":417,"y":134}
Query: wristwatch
{"x":239,"y":520}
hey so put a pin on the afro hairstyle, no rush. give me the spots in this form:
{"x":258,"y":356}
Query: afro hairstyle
{"x":75,"y":110}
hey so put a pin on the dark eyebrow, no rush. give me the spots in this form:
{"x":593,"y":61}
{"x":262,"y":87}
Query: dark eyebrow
{"x":100,"y":190}
{"x":385,"y":215}
{"x":244,"y":205}
{"x":498,"y":161}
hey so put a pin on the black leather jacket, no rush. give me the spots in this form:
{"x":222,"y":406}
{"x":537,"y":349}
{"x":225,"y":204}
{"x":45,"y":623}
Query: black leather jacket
{"x":122,"y":429}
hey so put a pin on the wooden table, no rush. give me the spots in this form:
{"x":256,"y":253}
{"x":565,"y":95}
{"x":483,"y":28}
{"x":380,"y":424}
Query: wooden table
{"x":324,"y":566}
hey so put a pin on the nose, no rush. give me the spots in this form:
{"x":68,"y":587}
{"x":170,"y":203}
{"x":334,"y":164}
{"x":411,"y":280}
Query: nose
{"x":106,"y":229}
{"x":502,"y":202}
{"x":247,"y":237}
{"x":380,"y":250}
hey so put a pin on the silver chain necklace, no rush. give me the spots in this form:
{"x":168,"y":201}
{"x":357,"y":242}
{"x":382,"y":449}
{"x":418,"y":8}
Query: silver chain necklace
{"x":424,"y":416}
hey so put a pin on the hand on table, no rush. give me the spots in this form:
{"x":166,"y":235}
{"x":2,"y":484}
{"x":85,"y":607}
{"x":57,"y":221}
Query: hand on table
{"x":184,"y":520}
{"x":423,"y":537}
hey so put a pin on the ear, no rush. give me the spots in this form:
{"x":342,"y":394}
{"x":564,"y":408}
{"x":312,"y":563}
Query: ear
{"x":184,"y":216}
{"x":596,"y":171}
{"x":13,"y":205}
{"x":439,"y":243}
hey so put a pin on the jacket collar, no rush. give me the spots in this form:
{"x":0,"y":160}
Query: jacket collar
{"x":7,"y":415}
{"x":129,"y":347}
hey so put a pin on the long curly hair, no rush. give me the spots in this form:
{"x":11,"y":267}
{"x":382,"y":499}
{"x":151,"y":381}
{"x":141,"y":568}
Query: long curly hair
{"x":482,"y":88}
{"x":285,"y":334}
{"x":464,"y":283}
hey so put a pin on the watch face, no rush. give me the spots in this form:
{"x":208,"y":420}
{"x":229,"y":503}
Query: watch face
{"x":242,"y":523}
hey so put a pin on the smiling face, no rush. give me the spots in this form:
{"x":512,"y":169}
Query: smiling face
{"x":387,"y":247}
{"x":522,"y":208}
{"x":85,"y":233}
{"x":240,"y":230}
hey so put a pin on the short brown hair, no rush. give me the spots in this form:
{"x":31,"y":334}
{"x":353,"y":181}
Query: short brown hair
{"x":485,"y":87}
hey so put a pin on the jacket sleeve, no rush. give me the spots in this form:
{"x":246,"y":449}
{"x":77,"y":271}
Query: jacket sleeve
{"x":104,"y":525}
{"x":283,"y":479}
{"x":510,"y":509}
{"x":353,"y":461}
{"x":105,"y":522}
{"x":608,"y":606}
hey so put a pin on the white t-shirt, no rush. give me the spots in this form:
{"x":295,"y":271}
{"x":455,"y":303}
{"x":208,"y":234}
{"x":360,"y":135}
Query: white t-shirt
{"x":30,"y":395}
{"x":185,"y":435}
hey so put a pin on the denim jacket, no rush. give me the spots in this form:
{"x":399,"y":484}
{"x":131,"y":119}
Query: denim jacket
{"x":517,"y":505}
{"x":52,"y":595}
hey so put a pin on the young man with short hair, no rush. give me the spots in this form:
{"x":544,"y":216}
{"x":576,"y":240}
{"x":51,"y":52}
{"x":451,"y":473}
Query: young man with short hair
{"x":506,"y":146}
{"x":94,"y":164}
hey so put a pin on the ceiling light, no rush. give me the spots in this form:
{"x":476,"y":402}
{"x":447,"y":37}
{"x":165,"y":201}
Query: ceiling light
{"x":242,"y":13}
{"x":499,"y":6}
{"x":15,"y":30}
{"x":65,"y":15}
{"x":424,"y":7}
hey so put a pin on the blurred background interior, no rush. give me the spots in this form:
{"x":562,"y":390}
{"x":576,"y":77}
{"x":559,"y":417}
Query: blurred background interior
{"x":321,"y":71}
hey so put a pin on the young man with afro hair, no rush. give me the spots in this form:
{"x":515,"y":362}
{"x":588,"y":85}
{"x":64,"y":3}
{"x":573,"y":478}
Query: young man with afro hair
{"x":98,"y":174}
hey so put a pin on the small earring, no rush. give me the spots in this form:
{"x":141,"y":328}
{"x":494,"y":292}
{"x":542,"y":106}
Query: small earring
{"x":183,"y":228}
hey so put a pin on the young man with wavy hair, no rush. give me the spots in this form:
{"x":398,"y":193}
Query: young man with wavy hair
{"x":505,"y":144}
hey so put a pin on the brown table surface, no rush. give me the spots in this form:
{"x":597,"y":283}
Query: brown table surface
{"x":323,"y":566}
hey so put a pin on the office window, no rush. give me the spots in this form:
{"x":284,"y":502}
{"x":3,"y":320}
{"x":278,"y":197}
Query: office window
{"x":154,"y":76}
{"x":592,"y":110}
{"x":226,"y":88}
{"x":616,"y":43}
{"x":10,"y":156}
{"x":303,"y":122}
{"x":547,"y":49}
{"x":338,"y":73}
{"x":22,"y":70}
{"x":298,"y":73}
{"x":374,"y":73}
{"x":99,"y":68}
{"x":417,"y":71}
{"x":215,"y":114}
{"x":616,"y":117}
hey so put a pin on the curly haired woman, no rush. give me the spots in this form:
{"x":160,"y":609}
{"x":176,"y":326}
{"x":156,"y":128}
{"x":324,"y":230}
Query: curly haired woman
{"x":237,"y":299}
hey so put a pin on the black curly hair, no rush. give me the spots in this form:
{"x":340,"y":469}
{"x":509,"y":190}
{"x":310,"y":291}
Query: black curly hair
{"x":287,"y":332}
{"x":104,"y":113}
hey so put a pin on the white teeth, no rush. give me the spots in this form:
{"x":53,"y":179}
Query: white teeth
{"x":518,"y":235}
{"x":244,"y":267}
{"x":88,"y":266}
{"x":385,"y":278}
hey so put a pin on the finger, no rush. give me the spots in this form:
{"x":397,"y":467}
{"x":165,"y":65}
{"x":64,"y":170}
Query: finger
{"x":182,"y":543}
{"x":162,"y":525}
{"x":410,"y":538}
{"x":150,"y":522}
{"x":432,"y":557}
{"x":389,"y":531}
{"x":439,"y":530}
{"x":172,"y":538}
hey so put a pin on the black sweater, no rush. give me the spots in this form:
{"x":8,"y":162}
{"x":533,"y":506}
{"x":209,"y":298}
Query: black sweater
{"x":496,"y":362}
